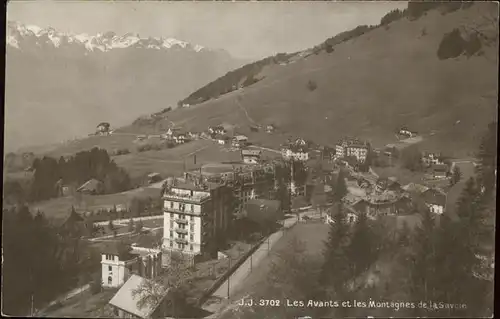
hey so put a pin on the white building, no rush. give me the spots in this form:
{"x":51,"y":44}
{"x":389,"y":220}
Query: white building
{"x":195,"y":213}
{"x":296,"y":153}
{"x":117,"y":266}
{"x":435,"y":200}
{"x":351,"y":148}
{"x":430,"y":159}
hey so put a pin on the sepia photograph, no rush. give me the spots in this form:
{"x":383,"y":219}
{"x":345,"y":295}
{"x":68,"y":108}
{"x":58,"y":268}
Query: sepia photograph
{"x":249,"y":159}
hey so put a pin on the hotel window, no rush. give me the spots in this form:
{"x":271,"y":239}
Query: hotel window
{"x":171,"y":234}
{"x":191,"y":227}
{"x":191,"y":247}
{"x":171,"y":216}
{"x":171,"y":244}
{"x":192,"y":218}
{"x":191,"y":237}
{"x":171,"y":204}
{"x":110,"y":268}
{"x":110,"y":280}
{"x":192,"y":208}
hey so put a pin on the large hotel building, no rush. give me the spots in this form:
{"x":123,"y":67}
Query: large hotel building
{"x":196,"y":216}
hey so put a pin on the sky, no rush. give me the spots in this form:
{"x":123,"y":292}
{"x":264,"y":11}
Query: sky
{"x":248,"y":30}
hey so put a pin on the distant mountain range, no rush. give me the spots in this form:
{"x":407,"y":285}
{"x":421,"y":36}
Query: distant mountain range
{"x":61,"y":85}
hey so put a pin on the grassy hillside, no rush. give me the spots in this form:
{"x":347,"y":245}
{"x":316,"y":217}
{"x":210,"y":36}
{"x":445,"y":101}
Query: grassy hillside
{"x":371,"y":84}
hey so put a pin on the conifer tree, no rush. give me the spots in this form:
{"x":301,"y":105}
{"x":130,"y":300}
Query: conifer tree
{"x":336,"y":272}
{"x":362,"y":249}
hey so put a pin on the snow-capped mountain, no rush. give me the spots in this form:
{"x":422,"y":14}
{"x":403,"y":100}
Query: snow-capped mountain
{"x":17,"y":32}
{"x":61,"y":85}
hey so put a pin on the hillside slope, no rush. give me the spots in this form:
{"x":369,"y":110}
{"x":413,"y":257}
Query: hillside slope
{"x":370,"y":85}
{"x":60,"y":85}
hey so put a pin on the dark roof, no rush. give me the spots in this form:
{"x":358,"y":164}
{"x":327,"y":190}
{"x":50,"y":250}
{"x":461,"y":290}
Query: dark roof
{"x":262,"y":210}
{"x":440,"y":167}
{"x":125,"y":299}
{"x":434,"y":196}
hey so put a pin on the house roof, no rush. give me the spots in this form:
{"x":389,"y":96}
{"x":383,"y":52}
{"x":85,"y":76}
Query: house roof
{"x":241,"y":138}
{"x":90,"y":185}
{"x":415,"y":188}
{"x":440,"y":167}
{"x":153,"y":174}
{"x":434,"y":196}
{"x":261,"y":210}
{"x":125,"y":299}
{"x":251,"y":152}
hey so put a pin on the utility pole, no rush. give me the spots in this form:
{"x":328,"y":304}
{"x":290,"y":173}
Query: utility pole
{"x":229,"y":278}
{"x":32,"y":305}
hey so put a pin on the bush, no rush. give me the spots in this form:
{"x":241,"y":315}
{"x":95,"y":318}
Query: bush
{"x":452,"y":45}
{"x":122,"y":151}
{"x":393,"y":15}
{"x":148,"y":147}
{"x":329,"y":48}
{"x":311,"y":85}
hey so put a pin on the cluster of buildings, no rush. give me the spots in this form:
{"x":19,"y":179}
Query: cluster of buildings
{"x":297,"y":150}
{"x":352,"y":148}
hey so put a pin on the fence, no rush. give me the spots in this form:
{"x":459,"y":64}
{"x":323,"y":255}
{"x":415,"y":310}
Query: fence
{"x":123,"y":220}
{"x":229,"y":272}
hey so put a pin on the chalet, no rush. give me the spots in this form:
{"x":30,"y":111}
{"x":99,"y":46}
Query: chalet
{"x":404,"y":131}
{"x":240,"y":140}
{"x":439,"y":170}
{"x":103,"y":128}
{"x":222,"y":140}
{"x":141,"y":137}
{"x":92,"y":187}
{"x":435,"y":200}
{"x":193,"y":135}
{"x":270,"y":128}
{"x":180,"y":138}
{"x":126,"y":303}
{"x":251,"y":156}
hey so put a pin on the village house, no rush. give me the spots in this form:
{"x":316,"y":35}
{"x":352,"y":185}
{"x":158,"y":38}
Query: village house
{"x":193,"y":135}
{"x":349,"y":147}
{"x":240,"y":141}
{"x":125,"y":302}
{"x":295,"y":152}
{"x":435,"y":200}
{"x":92,"y":187}
{"x":180,"y":138}
{"x":222,"y":140}
{"x":196,"y":214}
{"x":429,"y":159}
{"x":270,"y":128}
{"x":404,"y":131}
{"x":103,"y":128}
{"x":439,"y":170}
{"x":251,"y":156}
{"x":389,"y":183}
{"x":119,"y":263}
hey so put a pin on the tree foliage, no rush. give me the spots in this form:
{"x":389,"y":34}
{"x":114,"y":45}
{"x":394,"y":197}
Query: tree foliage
{"x":40,"y":259}
{"x":411,"y":158}
{"x":391,"y":16}
{"x":77,"y":169}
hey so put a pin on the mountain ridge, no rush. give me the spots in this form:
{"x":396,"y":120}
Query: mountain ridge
{"x":90,"y":82}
